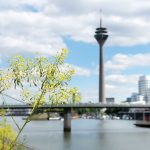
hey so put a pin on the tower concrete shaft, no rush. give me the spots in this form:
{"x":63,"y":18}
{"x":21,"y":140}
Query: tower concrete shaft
{"x":101,"y":36}
{"x":101,"y":76}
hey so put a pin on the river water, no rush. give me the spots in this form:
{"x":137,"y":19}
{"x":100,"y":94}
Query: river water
{"x":86,"y":135}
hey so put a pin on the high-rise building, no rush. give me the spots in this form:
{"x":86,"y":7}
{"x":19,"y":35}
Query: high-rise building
{"x":144,"y":87}
{"x":110,"y":100}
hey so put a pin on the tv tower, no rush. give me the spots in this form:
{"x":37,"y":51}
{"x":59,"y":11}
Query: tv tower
{"x":101,"y":36}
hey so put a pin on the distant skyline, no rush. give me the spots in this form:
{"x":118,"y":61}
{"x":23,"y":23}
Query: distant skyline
{"x":29,"y":27}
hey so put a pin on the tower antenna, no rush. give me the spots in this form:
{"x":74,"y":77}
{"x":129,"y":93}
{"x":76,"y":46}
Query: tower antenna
{"x":100,"y":18}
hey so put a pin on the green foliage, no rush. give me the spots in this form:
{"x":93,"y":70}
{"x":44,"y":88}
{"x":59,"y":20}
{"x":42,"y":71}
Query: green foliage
{"x":4,"y":80}
{"x":48,"y":78}
{"x":7,"y":134}
{"x":41,"y":81}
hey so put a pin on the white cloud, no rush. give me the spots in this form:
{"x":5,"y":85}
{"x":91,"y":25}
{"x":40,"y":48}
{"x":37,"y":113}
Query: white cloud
{"x":118,"y":63}
{"x":121,"y":86}
{"x":122,"y":62}
{"x":90,"y":95}
{"x":35,"y":25}
{"x":81,"y":71}
{"x":118,"y":86}
{"x":31,"y":26}
{"x":121,"y":92}
{"x":20,"y":44}
{"x":122,"y":79}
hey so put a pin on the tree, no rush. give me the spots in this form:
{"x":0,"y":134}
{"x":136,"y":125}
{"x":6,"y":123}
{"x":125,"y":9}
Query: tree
{"x":41,"y":81}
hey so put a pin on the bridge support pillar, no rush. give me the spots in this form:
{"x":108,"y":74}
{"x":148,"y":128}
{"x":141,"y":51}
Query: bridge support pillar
{"x":67,"y":120}
{"x":48,"y":115}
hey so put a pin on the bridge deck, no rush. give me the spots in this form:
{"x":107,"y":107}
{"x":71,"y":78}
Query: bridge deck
{"x":76,"y":106}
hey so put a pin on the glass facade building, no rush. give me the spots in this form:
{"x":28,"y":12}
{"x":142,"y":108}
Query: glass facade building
{"x":144,"y":87}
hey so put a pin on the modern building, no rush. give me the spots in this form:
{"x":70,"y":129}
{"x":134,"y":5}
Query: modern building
{"x":110,"y":100}
{"x":144,"y":87}
{"x":134,"y":97}
{"x":143,"y":95}
{"x":129,"y":99}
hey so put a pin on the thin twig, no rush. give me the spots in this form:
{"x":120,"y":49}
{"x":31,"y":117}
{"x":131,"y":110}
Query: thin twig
{"x":10,"y":112}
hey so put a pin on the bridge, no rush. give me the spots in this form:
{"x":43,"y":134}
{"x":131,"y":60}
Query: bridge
{"x":67,"y":109}
{"x":76,"y":106}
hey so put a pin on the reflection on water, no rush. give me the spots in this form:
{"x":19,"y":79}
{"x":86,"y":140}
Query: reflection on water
{"x":67,"y":136}
{"x":86,"y":135}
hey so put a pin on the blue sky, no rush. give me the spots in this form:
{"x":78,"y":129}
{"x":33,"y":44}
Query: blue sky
{"x":45,"y":26}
